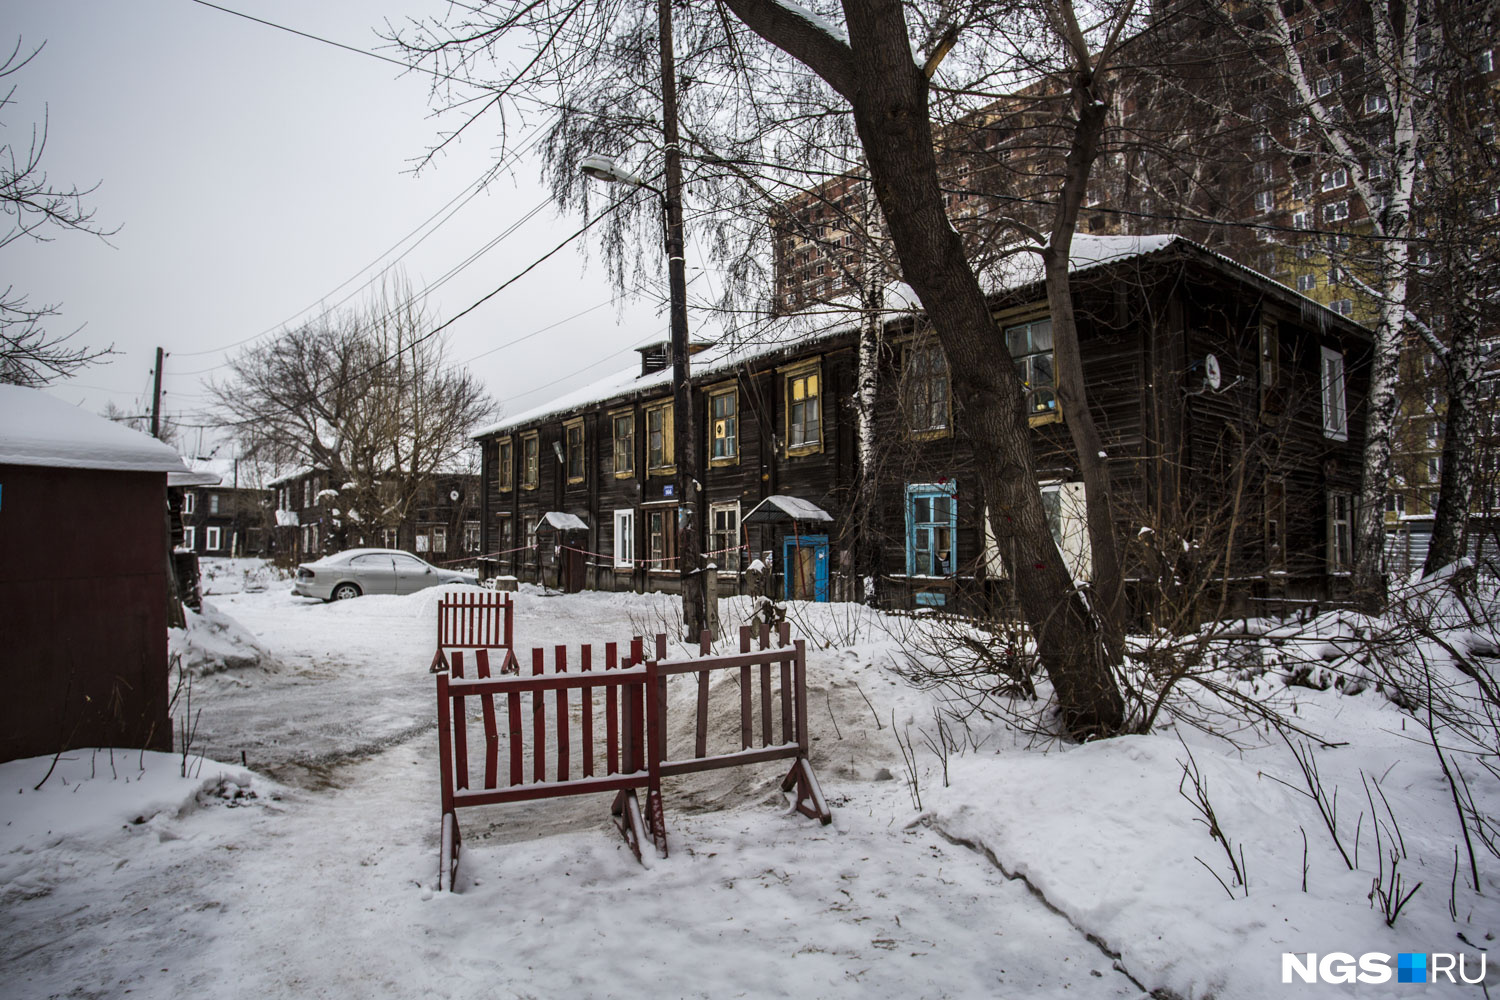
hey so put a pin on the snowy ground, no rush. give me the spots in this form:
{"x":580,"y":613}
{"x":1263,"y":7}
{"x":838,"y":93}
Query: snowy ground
{"x":1038,"y":871}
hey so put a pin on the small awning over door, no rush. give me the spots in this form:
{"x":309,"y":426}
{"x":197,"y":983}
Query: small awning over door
{"x":778,"y":508}
{"x":559,"y":521}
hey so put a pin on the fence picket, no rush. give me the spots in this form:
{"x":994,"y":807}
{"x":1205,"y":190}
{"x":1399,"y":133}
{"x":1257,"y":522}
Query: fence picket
{"x":562,"y":717}
{"x":611,"y":715}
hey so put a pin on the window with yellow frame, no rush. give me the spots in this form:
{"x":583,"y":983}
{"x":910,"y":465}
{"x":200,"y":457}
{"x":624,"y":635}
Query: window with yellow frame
{"x":623,"y":428}
{"x":530,"y":467}
{"x":724,"y":424}
{"x":505,"y":465}
{"x":660,"y":454}
{"x":574,"y":451}
{"x":804,"y":410}
{"x":926,"y":386}
{"x":1030,"y":346}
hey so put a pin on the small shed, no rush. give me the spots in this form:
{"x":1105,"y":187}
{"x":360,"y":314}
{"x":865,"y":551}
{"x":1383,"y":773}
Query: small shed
{"x":83,"y":579}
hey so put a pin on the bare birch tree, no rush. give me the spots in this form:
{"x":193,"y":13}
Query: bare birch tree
{"x":369,"y":396}
{"x":1372,"y":131}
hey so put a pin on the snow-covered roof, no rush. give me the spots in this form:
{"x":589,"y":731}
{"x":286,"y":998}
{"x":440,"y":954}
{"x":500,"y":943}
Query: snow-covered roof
{"x":779,"y":507}
{"x":287,"y":477}
{"x":194,"y":477}
{"x":38,"y":429}
{"x":844,"y":315}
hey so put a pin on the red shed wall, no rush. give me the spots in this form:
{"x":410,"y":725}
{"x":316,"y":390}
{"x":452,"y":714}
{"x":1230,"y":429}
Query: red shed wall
{"x":83,"y":610}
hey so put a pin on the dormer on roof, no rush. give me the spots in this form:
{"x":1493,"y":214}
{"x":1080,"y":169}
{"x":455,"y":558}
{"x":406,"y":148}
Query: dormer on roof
{"x":658,"y":356}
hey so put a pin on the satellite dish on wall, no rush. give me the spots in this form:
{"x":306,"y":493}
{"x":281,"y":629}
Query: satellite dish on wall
{"x":453,"y":495}
{"x":1212,"y":376}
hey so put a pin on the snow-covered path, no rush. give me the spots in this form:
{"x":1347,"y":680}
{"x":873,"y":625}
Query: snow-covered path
{"x":324,"y":888}
{"x":326,"y":894}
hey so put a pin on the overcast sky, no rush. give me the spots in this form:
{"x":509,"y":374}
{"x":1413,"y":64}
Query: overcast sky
{"x":252,"y":173}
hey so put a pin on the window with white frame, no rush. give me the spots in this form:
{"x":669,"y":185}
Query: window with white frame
{"x":1335,"y":179}
{"x":1485,"y":61}
{"x":1344,"y":307}
{"x":724,"y":536}
{"x":212,"y":539}
{"x":1375,"y":170}
{"x":625,"y":539}
{"x":440,"y":538}
{"x":1335,"y":405}
{"x":1340,"y":544}
{"x":1307,"y":282}
{"x":1265,"y":201}
{"x":1335,"y":211}
{"x":471,"y":536}
{"x":1376,"y":103}
{"x":189,"y":502}
{"x":213,"y":503}
{"x":1067,"y":516}
{"x":1300,"y":220}
{"x":189,"y":537}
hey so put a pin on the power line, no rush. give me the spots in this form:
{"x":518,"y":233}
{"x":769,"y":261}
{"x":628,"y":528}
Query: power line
{"x":340,"y":45}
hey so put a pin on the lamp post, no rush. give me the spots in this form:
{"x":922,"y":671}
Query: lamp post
{"x":685,"y":438}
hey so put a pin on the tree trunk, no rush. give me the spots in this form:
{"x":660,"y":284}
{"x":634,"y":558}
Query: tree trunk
{"x":866,"y":500}
{"x":889,"y":96}
{"x":1456,"y":489}
{"x":1072,"y":392}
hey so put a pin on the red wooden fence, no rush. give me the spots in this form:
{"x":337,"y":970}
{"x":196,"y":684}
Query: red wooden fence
{"x":632,"y":750}
{"x":470,"y":621}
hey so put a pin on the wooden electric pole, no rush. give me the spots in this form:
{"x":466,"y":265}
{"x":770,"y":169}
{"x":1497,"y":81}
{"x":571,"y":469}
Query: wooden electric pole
{"x":156,"y":396}
{"x":685,"y":444}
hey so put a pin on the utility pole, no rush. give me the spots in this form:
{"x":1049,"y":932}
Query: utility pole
{"x":685,"y":443}
{"x":156,"y":397}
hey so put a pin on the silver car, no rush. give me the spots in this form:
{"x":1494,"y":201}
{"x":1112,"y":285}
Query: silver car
{"x":371,"y":571}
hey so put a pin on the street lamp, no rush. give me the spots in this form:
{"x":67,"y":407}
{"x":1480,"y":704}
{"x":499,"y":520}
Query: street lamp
{"x":602,"y":168}
{"x":685,"y":438}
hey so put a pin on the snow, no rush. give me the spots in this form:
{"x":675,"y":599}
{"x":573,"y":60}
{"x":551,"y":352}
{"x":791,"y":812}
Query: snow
{"x":38,"y":429}
{"x":816,"y":21}
{"x":1030,"y":868}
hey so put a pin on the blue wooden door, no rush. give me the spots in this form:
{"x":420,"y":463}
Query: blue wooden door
{"x":805,"y":562}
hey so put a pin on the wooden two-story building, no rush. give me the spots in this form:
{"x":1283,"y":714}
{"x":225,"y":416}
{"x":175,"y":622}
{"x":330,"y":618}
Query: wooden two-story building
{"x":1231,"y":406}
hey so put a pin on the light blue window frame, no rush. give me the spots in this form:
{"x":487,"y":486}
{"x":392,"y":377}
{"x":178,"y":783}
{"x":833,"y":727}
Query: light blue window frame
{"x":931,"y":534}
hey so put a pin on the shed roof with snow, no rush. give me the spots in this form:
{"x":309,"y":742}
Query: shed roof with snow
{"x":38,"y":429}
